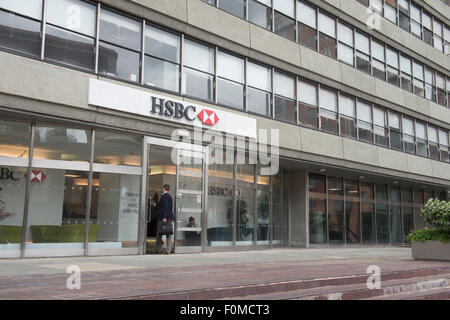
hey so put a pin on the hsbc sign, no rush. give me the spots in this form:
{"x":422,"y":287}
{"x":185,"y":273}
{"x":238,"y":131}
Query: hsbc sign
{"x":123,"y":98}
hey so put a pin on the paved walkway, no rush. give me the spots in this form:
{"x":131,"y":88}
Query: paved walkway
{"x":125,"y":276}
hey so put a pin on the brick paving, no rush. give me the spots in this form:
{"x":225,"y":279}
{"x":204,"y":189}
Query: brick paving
{"x":140,"y":276}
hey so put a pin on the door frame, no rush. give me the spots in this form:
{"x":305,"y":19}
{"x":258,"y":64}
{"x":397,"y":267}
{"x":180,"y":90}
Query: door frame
{"x":148,"y":142}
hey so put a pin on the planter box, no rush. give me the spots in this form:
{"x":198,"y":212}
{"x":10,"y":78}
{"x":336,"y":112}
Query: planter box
{"x":431,"y":250}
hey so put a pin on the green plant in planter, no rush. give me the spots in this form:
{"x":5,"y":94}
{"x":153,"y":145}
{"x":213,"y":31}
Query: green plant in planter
{"x":437,"y":214}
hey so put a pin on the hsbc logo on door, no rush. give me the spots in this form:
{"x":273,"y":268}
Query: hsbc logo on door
{"x":177,"y":110}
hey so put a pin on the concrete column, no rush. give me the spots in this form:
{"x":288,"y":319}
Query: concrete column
{"x":299,"y":208}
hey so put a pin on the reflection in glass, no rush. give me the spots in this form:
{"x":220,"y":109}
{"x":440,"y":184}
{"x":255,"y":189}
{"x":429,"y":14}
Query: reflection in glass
{"x":117,"y":149}
{"x":14,"y":139}
{"x":258,"y":101}
{"x":317,"y":209}
{"x":161,"y":74}
{"x":198,"y":84}
{"x":352,"y":223}
{"x":382,"y":214}
{"x":118,"y":62}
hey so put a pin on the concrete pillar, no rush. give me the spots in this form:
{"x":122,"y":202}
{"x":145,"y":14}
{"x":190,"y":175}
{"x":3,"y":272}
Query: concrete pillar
{"x":299,"y":208}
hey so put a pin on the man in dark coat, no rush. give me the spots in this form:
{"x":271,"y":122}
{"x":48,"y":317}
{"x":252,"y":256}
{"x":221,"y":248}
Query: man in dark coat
{"x":165,"y":214}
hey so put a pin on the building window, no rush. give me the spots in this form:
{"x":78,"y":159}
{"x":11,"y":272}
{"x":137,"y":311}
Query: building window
{"x":390,"y":10}
{"x":438,"y":35}
{"x":403,"y":6}
{"x":120,"y":44}
{"x":260,"y":13}
{"x":245,"y":205}
{"x":317,"y":209}
{"x":419,"y":83}
{"x":327,"y":35}
{"x":328,"y":110}
{"x":416,"y":21}
{"x":345,"y":44}
{"x":259,"y":88}
{"x":433,"y":143}
{"x":352,"y":217}
{"x":362,"y":52}
{"x":61,"y":143}
{"x":392,"y":67}
{"x":307,"y":25}
{"x":408,"y":135}
{"x":406,"y":71}
{"x":235,"y":7}
{"x":364,"y":113}
{"x":441,"y":92}
{"x":20,"y":26}
{"x":407,"y":213}
{"x":70,"y":33}
{"x":285,"y":105}
{"x":284,"y":18}
{"x":307,"y":104}
{"x":443,"y":145}
{"x":396,"y":215}
{"x":427,"y":28}
{"x":347,"y":116}
{"x":395,"y":136}
{"x":380,"y":127}
{"x":335,"y":210}
{"x":382,"y":214}
{"x":421,"y":139}
{"x":378,"y":61}
{"x":367,"y":213}
{"x":162,"y":59}
{"x":198,"y":72}
{"x":230,"y":81}
{"x":117,"y":149}
{"x":430,"y":88}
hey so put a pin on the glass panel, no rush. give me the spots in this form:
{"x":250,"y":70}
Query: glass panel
{"x":69,"y":48}
{"x":345,"y":34}
{"x":327,"y":46}
{"x":284,"y":85}
{"x":345,"y":54}
{"x":377,"y":51}
{"x":307,"y":36}
{"x":328,"y":99}
{"x":258,"y":101}
{"x":74,"y":15}
{"x":230,"y":93}
{"x":306,"y":14}
{"x":245,"y":211}
{"x":285,"y":109}
{"x":362,"y":62}
{"x":220,"y":205}
{"x":317,"y":209}
{"x":162,"y":44}
{"x":364,"y":112}
{"x":390,"y":13}
{"x":12,"y":199}
{"x":120,"y":30}
{"x":230,"y":67}
{"x":309,"y":115}
{"x":396,"y":217}
{"x":348,"y":127}
{"x":57,"y":213}
{"x":198,"y":56}
{"x":60,"y":143}
{"x":347,"y":106}
{"x":362,"y":43}
{"x":378,"y":70}
{"x":198,"y":84}
{"x":352,"y":221}
{"x":118,"y":62}
{"x":20,"y":34}
{"x":328,"y":121}
{"x":327,"y":25}
{"x":408,"y":126}
{"x":335,"y":210}
{"x":367,"y":213}
{"x":392,"y":58}
{"x":259,"y":76}
{"x":418,"y":204}
{"x":117,"y":149}
{"x":161,"y":74}
{"x":14,"y":139}
{"x":392,"y":76}
{"x":307,"y":92}
{"x":236,"y":7}
{"x":30,"y":8}
{"x":114,"y":213}
{"x":284,"y":26}
{"x":285,"y":6}
{"x":279,"y":214}
{"x":382,"y":214}
{"x":379,"y":117}
{"x":432,"y":134}
{"x":260,"y":14}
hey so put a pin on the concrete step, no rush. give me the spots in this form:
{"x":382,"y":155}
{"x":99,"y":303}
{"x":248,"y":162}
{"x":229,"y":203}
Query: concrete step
{"x":359,"y":291}
{"x":354,"y":287}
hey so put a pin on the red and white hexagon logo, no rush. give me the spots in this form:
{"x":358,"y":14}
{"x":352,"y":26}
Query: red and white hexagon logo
{"x":37,"y":176}
{"x":208,"y":117}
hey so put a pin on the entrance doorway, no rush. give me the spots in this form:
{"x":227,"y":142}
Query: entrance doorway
{"x":182,"y":167}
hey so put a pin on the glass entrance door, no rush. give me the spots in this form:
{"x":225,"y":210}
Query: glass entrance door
{"x":189,"y":202}
{"x":181,"y":166}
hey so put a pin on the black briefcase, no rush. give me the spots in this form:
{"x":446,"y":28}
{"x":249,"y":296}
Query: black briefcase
{"x":165,"y":228}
